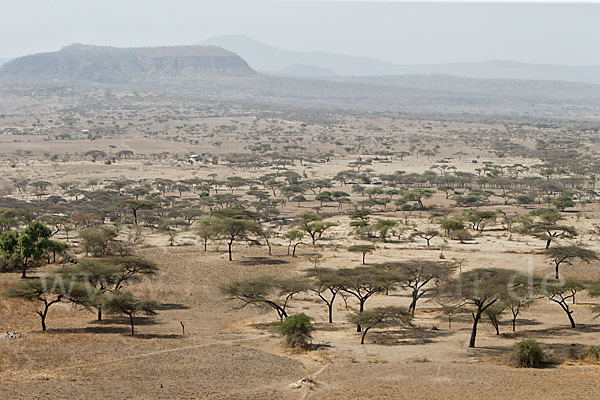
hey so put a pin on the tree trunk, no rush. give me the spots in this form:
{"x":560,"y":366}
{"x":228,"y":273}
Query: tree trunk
{"x":282,"y":314}
{"x":362,"y":338}
{"x":556,"y":271}
{"x":496,"y":326}
{"x":476,"y":319}
{"x":548,"y":243}
{"x":362,"y":307}
{"x":571,"y":320}
{"x":131,"y":322}
{"x":330,"y":309}
{"x":229,"y":249}
{"x":412,"y":306}
{"x":363,"y":258}
{"x":99,"y":313}
{"x":43,"y":317}
{"x":24,"y":270}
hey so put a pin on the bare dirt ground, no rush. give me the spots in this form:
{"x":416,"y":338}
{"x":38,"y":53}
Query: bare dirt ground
{"x":229,"y":353}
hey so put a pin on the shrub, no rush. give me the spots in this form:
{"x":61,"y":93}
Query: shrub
{"x":527,"y":354}
{"x":592,"y":354}
{"x":97,"y":240}
{"x":461,"y":235}
{"x":297,"y":330}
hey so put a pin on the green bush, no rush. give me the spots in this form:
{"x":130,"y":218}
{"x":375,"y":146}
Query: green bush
{"x":527,"y":354}
{"x":297,"y":330}
{"x":592,"y":354}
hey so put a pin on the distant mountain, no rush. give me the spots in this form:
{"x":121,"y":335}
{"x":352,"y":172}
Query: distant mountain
{"x":533,"y":90}
{"x":113,"y":65}
{"x":4,"y":60}
{"x":210,"y":73}
{"x":508,"y":70}
{"x":268,"y":59}
{"x":305,"y":71}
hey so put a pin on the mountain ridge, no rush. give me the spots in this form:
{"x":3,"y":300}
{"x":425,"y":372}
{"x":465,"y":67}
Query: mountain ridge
{"x":265,"y":58}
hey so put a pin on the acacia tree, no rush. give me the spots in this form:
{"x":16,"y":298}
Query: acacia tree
{"x":522,"y":297}
{"x":313,"y":224}
{"x":235,"y":224}
{"x":451,"y":225}
{"x":362,"y":248}
{"x":494,"y":313}
{"x":381,"y":317}
{"x":326,"y":280}
{"x":110,"y":274}
{"x":418,"y":195}
{"x":206,"y":231}
{"x":481,"y":288}
{"x":479,"y":219}
{"x":126,"y":304}
{"x":51,"y":291}
{"x":265,"y":292}
{"x":294,"y":236}
{"x":364,"y":282}
{"x":135,"y":205}
{"x":450,"y":307}
{"x":427,"y":235}
{"x":564,"y":254}
{"x":420,"y":277}
{"x":383,"y":226}
{"x":561,"y":292}
{"x":552,"y":231}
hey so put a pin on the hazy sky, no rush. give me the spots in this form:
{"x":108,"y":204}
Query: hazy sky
{"x":406,"y":33}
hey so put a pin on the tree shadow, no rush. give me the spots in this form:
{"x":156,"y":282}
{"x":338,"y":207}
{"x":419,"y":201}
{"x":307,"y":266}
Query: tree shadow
{"x":408,"y":336}
{"x":327,"y":327}
{"x":319,"y":346}
{"x":171,"y":306}
{"x":555,"y":353}
{"x":91,"y":329}
{"x":262,"y":261}
{"x":555,"y":331}
{"x":523,"y":322}
{"x":142,"y":321}
{"x":559,"y":352}
{"x":265,"y":326}
{"x":156,"y":336}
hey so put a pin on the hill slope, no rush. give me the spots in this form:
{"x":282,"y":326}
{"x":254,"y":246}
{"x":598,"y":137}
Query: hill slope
{"x":110,"y":64}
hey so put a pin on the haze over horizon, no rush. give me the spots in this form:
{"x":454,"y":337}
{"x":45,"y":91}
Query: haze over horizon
{"x":404,"y":33}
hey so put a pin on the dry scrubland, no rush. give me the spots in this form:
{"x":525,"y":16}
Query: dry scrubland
{"x":228,"y":352}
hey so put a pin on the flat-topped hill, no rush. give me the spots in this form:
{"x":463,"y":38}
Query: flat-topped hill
{"x":111,"y":64}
